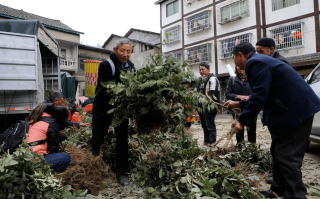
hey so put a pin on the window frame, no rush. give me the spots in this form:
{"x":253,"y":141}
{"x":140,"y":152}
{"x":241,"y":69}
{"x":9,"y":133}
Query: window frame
{"x":175,"y":55}
{"x":65,"y":51}
{"x":172,"y":3}
{"x":207,"y":46}
{"x":192,"y":19}
{"x":283,"y":2}
{"x":285,"y":26}
{"x":233,"y":18}
{"x":172,"y":29}
{"x":229,"y":52}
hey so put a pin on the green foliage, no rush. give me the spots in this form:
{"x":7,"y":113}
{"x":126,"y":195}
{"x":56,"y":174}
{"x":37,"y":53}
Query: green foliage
{"x":163,"y":165}
{"x":25,"y":174}
{"x":155,"y":97}
{"x":47,"y":93}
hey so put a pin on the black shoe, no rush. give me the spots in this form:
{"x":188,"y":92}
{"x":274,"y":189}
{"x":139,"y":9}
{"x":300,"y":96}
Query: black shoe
{"x":123,"y":180}
{"x":269,"y":180}
{"x":95,"y":152}
{"x":269,"y":194}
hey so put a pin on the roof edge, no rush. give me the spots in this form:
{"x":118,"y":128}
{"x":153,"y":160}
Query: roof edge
{"x":146,"y":31}
{"x":45,"y":25}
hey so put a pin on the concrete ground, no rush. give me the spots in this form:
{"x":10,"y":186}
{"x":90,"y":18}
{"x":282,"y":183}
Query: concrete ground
{"x":310,"y":165}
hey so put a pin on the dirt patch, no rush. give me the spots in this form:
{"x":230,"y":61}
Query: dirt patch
{"x":86,"y":171}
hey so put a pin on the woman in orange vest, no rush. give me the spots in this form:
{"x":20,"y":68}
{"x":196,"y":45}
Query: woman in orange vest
{"x":46,"y":122}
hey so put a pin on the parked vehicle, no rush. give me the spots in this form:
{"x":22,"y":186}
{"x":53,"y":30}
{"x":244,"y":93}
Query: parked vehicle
{"x":313,"y":80}
{"x":29,"y":65}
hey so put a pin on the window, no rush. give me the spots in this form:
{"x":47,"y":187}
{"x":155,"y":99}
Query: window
{"x":199,"y":54}
{"x":234,"y":11}
{"x":141,"y":47}
{"x":288,"y":36}
{"x":145,"y":47}
{"x":172,"y":8}
{"x":227,"y":45}
{"x":63,"y":53}
{"x":176,"y":55}
{"x":279,"y":4}
{"x":198,"y":23}
{"x":172,"y":34}
{"x":150,"y":47}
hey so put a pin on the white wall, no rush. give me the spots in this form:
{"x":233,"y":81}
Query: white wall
{"x":175,"y":45}
{"x":167,"y":20}
{"x":223,"y":62}
{"x":308,"y":35}
{"x":304,"y":7}
{"x":196,"y":5}
{"x":195,"y":67}
{"x":201,"y":35}
{"x":238,"y":24}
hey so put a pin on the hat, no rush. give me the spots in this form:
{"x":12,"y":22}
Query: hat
{"x":266,"y":41}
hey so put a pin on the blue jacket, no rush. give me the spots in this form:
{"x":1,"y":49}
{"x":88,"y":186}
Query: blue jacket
{"x":286,"y":99}
{"x":68,"y":123}
{"x":239,"y":88}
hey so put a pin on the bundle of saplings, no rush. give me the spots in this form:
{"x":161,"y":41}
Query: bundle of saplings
{"x":155,"y":96}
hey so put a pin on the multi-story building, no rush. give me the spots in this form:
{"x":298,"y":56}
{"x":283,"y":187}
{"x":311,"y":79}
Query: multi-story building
{"x":207,"y":31}
{"x":68,"y":38}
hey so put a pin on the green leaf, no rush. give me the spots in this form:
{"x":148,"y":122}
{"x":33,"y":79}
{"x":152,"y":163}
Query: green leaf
{"x":149,"y":190}
{"x":160,"y":173}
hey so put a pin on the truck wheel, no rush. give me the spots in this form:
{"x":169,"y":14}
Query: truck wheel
{"x":188,"y":125}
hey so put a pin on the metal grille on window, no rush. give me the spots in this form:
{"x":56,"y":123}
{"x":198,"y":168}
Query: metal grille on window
{"x":227,"y":45}
{"x":176,"y":55}
{"x":279,"y":4}
{"x":288,"y":37}
{"x":198,"y":23}
{"x":199,"y":54}
{"x":227,"y":13}
{"x":172,"y":34}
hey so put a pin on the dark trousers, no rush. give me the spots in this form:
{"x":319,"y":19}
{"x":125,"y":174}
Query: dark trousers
{"x":251,"y":131}
{"x":208,"y":125}
{"x":288,"y":152}
{"x":100,"y":129}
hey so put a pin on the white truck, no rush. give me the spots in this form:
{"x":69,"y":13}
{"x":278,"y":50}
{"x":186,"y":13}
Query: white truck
{"x":29,"y":65}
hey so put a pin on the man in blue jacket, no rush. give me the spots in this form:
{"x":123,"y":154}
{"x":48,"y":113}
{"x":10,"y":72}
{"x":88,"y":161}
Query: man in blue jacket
{"x":288,"y":104}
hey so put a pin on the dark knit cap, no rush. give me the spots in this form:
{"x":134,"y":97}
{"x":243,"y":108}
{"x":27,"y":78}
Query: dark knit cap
{"x":266,"y":41}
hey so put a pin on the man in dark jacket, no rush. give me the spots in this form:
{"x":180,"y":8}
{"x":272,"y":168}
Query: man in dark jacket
{"x":109,"y":72}
{"x":207,"y":117}
{"x":238,"y":88}
{"x":267,"y":46}
{"x":288,"y":116}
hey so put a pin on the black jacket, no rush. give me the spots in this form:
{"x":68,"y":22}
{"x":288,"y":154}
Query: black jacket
{"x":239,"y":88}
{"x":275,"y":54}
{"x":101,"y":101}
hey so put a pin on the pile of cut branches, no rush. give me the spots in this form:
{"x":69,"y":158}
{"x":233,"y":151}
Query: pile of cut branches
{"x":155,"y":96}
